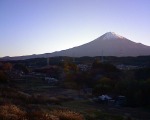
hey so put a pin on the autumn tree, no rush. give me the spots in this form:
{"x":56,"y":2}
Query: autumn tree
{"x":7,"y":67}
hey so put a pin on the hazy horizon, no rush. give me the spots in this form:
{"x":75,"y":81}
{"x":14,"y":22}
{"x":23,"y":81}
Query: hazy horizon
{"x":34,"y":27}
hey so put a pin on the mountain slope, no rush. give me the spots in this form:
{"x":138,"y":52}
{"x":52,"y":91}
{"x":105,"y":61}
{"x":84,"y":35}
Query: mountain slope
{"x":109,"y":44}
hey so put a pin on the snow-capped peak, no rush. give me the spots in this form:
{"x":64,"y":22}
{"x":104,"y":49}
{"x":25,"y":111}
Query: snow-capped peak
{"x":111,"y":35}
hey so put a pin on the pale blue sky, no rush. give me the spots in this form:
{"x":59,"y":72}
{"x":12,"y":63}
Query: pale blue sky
{"x":44,"y":26}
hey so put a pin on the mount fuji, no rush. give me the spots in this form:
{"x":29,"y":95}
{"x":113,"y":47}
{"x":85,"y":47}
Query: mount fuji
{"x":109,"y":44}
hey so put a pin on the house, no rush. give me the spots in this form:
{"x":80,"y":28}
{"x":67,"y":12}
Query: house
{"x":84,"y":67}
{"x":119,"y":101}
{"x":104,"y":97}
{"x":51,"y":80}
{"x":127,"y":67}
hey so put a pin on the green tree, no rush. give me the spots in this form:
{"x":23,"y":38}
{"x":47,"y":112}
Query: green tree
{"x":103,"y":86}
{"x":21,"y":67}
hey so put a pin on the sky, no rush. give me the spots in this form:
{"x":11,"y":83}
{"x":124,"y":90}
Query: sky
{"x":44,"y":26}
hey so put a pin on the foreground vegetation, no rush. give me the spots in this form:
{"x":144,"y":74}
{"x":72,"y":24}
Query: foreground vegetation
{"x":25,"y":95}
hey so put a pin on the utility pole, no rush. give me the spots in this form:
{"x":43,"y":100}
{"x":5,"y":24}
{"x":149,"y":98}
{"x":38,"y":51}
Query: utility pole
{"x":47,"y":61}
{"x":102,"y":57}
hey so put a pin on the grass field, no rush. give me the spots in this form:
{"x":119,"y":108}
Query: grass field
{"x":34,"y":99}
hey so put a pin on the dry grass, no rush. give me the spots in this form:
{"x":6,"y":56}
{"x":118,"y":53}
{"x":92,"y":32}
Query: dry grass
{"x":38,"y":115}
{"x":67,"y":115}
{"x":41,"y":99}
{"x":11,"y":112}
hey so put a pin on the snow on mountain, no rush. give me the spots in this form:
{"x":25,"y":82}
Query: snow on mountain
{"x":111,"y":35}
